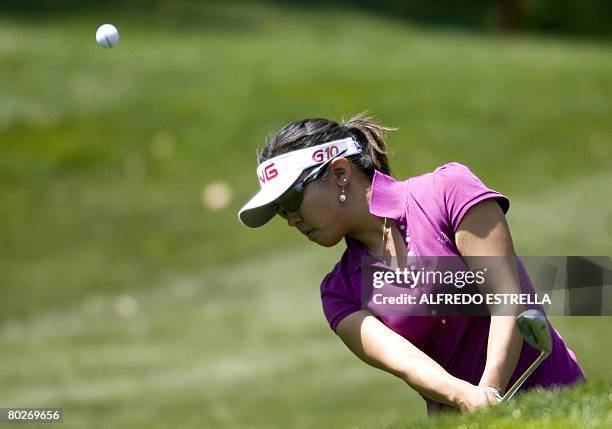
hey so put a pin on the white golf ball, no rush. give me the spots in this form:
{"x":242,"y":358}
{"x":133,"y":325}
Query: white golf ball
{"x":107,"y":35}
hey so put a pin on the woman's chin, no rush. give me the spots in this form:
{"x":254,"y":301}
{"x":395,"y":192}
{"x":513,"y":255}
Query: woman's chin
{"x":322,"y":240}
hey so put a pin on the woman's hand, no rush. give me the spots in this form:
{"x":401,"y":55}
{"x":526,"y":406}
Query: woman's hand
{"x":475,"y":397}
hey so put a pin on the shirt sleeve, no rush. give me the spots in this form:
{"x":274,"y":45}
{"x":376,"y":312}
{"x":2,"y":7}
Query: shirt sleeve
{"x":461,"y":190}
{"x":339,"y":299}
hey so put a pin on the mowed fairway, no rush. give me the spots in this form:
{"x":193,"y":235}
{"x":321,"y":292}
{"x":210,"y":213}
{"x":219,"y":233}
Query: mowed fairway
{"x":205,"y":351}
{"x":127,"y":301}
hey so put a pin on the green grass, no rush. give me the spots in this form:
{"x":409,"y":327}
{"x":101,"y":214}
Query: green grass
{"x":229,"y":321}
{"x":201,"y":351}
{"x":585,"y":406}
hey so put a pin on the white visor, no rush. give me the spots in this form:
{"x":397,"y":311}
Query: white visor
{"x":278,"y":174}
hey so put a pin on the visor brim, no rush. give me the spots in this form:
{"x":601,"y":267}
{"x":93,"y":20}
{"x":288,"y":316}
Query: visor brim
{"x":262,"y":207}
{"x":254,"y":214}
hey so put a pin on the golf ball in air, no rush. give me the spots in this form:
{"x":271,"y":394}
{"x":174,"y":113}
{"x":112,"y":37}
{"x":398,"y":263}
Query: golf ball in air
{"x":107,"y":36}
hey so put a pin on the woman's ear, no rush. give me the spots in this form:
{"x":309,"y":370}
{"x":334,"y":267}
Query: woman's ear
{"x":341,"y":169}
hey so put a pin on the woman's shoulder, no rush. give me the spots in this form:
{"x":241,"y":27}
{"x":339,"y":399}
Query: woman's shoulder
{"x":445,"y":176}
{"x":450,"y":169}
{"x":423,"y":184}
{"x":453,"y":171}
{"x":387,"y":186}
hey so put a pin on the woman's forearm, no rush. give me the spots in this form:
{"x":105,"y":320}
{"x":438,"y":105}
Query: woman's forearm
{"x":504,"y":341}
{"x":379,"y":346}
{"x":503,"y":352}
{"x":431,"y":380}
{"x":483,"y":239}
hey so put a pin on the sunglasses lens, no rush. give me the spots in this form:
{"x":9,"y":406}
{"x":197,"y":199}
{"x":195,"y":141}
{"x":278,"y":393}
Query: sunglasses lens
{"x":282,"y":212}
{"x":292,"y":199}
{"x":289,"y":202}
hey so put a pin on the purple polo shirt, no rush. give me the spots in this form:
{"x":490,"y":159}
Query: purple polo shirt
{"x":428,"y":209}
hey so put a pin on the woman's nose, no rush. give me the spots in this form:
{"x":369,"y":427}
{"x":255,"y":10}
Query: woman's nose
{"x":293,"y":218}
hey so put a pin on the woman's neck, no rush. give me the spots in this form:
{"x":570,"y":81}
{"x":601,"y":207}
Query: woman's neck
{"x":370,"y":234}
{"x":368,"y":229}
{"x":380,"y":236}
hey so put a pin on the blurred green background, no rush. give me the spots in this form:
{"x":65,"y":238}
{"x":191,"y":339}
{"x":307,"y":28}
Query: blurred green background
{"x":132,"y":296}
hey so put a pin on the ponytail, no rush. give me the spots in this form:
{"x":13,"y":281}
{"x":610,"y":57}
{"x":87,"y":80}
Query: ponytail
{"x":371,"y":136}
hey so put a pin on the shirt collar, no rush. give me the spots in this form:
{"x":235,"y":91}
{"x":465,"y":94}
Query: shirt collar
{"x":388,"y":196}
{"x":388,"y":199}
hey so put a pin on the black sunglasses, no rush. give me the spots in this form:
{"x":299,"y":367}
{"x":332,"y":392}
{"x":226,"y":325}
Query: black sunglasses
{"x":291,"y":200}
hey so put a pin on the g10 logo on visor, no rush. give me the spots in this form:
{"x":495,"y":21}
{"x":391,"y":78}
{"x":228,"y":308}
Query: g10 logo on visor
{"x":321,"y":155}
{"x":269,"y":172}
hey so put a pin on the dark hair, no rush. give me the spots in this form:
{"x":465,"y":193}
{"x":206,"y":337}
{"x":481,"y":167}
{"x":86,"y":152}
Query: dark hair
{"x":312,"y":132}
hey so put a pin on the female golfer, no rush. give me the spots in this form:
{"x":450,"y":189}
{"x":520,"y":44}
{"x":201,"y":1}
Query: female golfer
{"x":332,"y":181}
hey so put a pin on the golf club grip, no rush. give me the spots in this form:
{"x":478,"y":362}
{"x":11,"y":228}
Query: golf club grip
{"x":510,"y":393}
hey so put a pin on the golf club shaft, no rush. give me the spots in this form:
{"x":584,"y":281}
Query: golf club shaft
{"x":510,"y":393}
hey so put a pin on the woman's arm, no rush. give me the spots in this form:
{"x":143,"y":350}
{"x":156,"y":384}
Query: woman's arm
{"x":484,"y":232}
{"x":379,"y":346}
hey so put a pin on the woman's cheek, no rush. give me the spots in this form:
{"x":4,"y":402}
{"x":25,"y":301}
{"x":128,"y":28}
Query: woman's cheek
{"x":318,"y":205}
